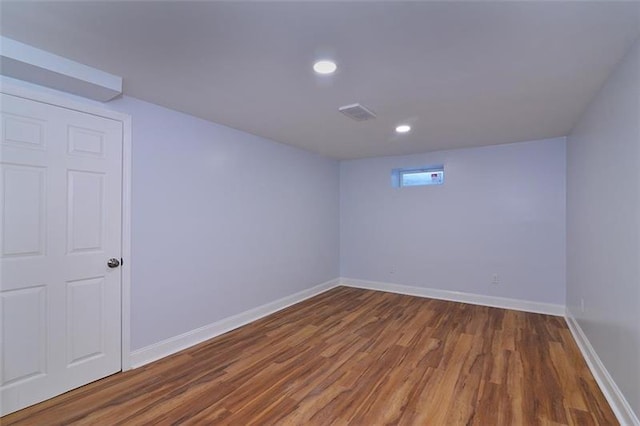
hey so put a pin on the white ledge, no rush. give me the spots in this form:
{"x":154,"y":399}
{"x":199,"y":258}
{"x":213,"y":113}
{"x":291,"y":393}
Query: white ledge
{"x":27,"y":63}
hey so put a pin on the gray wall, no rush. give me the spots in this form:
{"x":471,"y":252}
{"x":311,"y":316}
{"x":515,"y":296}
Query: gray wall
{"x":603,"y":225}
{"x":501,"y":210}
{"x":222,"y":221}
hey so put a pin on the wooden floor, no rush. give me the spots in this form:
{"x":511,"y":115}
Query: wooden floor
{"x":358,"y":357}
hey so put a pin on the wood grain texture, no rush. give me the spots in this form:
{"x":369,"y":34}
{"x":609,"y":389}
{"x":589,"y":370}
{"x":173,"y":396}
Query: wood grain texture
{"x":360,"y":357}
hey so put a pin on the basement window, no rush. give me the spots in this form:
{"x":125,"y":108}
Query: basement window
{"x":417,"y":176}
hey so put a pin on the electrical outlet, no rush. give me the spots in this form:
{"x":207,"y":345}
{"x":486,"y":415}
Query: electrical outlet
{"x":495,"y":279}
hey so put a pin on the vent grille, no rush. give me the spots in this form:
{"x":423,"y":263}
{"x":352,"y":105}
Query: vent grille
{"x":357,"y":112}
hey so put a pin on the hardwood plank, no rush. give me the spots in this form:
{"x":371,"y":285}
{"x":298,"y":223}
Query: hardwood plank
{"x":351,"y":356}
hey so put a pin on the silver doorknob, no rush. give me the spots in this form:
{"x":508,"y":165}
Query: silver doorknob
{"x":113,"y":263}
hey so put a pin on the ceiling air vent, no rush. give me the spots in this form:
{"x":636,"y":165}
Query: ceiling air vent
{"x":357,"y":112}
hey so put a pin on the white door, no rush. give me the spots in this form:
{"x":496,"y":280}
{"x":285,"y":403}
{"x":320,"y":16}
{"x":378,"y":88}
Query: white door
{"x":60,"y":222}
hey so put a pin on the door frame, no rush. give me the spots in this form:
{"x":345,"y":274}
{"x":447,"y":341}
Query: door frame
{"x":94,"y":108}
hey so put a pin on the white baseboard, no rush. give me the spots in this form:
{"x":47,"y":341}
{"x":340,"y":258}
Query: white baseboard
{"x":457,"y":296}
{"x":183,"y":341}
{"x":616,"y":399}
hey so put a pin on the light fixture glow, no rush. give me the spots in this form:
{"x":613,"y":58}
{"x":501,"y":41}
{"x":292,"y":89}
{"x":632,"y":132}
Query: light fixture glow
{"x":325,"y":67}
{"x":403,"y":128}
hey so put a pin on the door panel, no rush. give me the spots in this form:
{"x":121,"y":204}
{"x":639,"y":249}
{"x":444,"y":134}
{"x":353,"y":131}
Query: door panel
{"x":85,"y":204}
{"x":85,"y":320}
{"x":23,"y":330}
{"x":61,"y":220}
{"x":86,"y":142}
{"x":23,"y":200}
{"x":23,"y":131}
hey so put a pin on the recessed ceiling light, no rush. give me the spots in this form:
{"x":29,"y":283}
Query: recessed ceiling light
{"x":403,"y":128}
{"x":325,"y":67}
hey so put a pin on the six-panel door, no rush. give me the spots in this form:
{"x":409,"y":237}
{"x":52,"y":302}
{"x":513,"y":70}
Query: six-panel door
{"x":61,"y":220}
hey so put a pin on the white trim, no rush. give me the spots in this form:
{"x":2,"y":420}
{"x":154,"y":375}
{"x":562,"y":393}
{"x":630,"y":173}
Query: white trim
{"x":612,"y":393}
{"x":61,"y":101}
{"x":183,"y":341}
{"x":457,"y":296}
{"x":126,"y":242}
